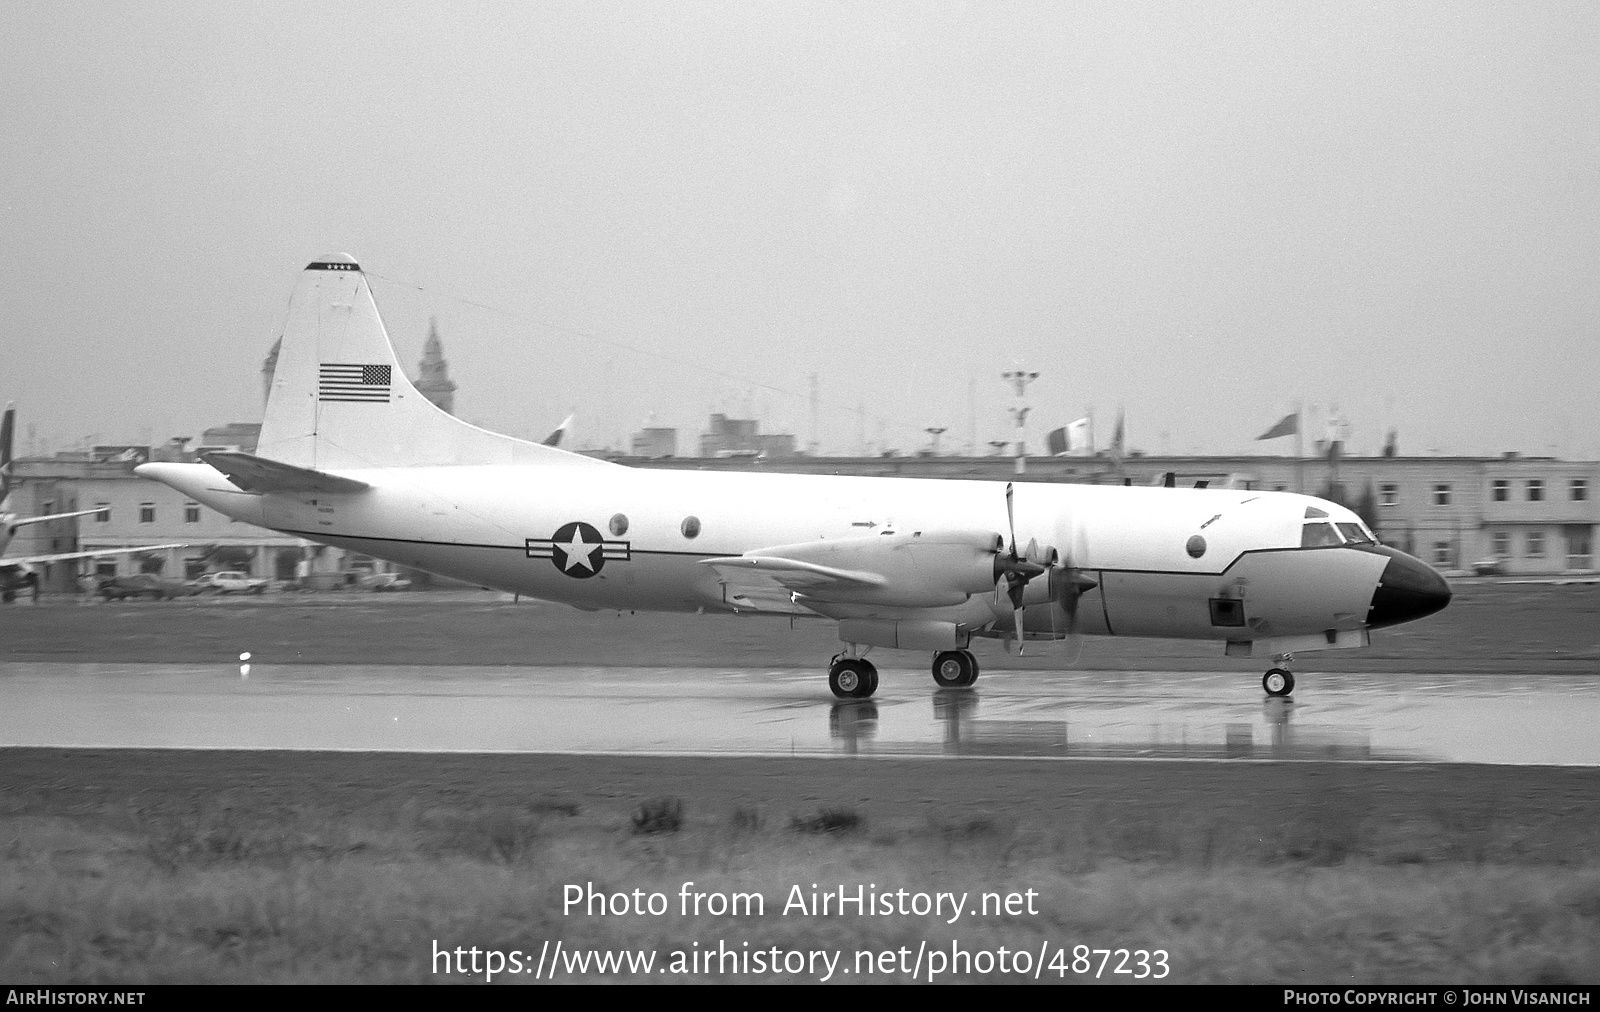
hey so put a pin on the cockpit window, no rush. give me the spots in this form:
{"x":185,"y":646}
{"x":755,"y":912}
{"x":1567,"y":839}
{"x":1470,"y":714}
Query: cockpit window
{"x":1356,"y":534}
{"x":1318,"y":535}
{"x":1312,"y":512}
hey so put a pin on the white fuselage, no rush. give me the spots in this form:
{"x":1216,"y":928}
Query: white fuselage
{"x":492,"y":525}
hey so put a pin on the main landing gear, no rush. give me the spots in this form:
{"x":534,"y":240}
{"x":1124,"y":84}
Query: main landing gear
{"x":954,"y":669}
{"x":857,"y":678}
{"x":852,"y":678}
{"x":1279,"y":681}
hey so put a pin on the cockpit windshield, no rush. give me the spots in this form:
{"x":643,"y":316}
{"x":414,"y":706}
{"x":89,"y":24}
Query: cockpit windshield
{"x":1357,"y":534}
{"x":1318,"y":535}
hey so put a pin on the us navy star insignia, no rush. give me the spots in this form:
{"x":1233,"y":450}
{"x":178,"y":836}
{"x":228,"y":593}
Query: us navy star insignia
{"x":578,"y":550}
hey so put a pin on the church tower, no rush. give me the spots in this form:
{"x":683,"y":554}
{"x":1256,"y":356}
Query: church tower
{"x":433,"y":376}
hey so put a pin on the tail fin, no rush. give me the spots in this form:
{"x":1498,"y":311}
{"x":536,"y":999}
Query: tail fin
{"x":554,"y":439}
{"x":340,"y":398}
{"x":7,"y":426}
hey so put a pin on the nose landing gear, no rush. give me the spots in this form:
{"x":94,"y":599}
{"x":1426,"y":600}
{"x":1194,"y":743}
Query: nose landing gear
{"x":1279,"y":680}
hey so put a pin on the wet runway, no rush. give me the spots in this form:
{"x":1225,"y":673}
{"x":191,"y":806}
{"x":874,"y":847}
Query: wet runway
{"x":1356,"y":717}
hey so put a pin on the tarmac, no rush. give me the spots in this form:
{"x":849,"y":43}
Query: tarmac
{"x":1368,"y":717}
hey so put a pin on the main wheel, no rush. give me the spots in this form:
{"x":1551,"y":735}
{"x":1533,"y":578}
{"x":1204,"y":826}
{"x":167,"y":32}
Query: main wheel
{"x":953,"y":668}
{"x":1277,"y":682}
{"x":973,"y":677}
{"x":852,"y":678}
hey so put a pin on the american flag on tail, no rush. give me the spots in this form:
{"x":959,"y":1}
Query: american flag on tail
{"x":347,"y":381}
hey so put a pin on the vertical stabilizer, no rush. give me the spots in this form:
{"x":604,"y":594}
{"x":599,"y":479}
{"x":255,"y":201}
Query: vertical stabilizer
{"x":7,"y":427}
{"x":340,"y":399}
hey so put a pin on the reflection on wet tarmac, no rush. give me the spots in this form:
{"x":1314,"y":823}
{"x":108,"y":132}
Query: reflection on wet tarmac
{"x":1448,"y":718}
{"x":854,"y":725}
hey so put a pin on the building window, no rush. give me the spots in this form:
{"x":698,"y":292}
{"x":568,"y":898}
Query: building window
{"x":1579,"y":547}
{"x":1441,"y":495}
{"x":47,"y":507}
{"x":1502,"y":544}
{"x":104,"y":516}
{"x":147,"y":513}
{"x":1536,"y":490}
{"x":1536,"y":544}
{"x":191,"y":512}
{"x":1441,"y":553}
{"x":1578,"y":490}
{"x":1388,"y":495}
{"x":1502,"y":490}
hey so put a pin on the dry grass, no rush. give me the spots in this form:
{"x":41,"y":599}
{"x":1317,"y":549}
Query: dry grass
{"x":203,"y":892}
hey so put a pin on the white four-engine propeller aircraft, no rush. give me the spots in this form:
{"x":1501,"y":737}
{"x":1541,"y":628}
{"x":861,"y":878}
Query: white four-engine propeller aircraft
{"x":352,"y":455}
{"x":17,"y":572}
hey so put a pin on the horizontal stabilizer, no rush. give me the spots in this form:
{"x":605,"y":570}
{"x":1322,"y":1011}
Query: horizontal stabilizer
{"x":258,"y":474}
{"x":34,"y":560}
{"x":25,"y":521}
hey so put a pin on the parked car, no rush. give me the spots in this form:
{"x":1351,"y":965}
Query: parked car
{"x":1489,"y":567}
{"x":115,"y":588}
{"x":386,"y":581}
{"x":233,"y":583}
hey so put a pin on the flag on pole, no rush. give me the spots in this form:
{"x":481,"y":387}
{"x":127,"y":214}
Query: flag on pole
{"x":1056,"y":441}
{"x":1287,"y":427}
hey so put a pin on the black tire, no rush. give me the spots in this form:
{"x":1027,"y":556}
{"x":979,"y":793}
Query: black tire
{"x":852,"y":679}
{"x":954,"y":668}
{"x":1277,"y":682}
{"x":974,"y":676}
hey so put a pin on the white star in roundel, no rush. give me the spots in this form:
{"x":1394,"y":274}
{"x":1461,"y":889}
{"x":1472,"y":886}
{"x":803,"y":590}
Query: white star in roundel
{"x":578,"y":551}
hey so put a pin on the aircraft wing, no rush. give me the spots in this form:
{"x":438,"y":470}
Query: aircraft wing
{"x":757,"y":591}
{"x":916,"y":569}
{"x":258,"y":474}
{"x":796,"y":574}
{"x":30,"y":560}
{"x":16,"y":522}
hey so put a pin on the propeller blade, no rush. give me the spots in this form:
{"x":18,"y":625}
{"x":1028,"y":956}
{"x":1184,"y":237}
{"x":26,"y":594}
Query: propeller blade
{"x":1011,"y":520}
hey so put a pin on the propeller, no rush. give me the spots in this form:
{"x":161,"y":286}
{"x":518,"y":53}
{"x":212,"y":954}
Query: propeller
{"x":1012,"y":571}
{"x":6,"y":427}
{"x":1068,"y":584}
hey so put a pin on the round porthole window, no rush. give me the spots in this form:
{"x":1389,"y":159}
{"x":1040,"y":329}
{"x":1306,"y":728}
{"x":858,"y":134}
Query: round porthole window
{"x":1196,"y":546}
{"x":619,"y":525}
{"x":691,"y":527}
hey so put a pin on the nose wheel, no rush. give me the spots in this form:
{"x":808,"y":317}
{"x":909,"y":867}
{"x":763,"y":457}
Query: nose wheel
{"x":1278,"y":682}
{"x":954,"y":668}
{"x":853,"y":678}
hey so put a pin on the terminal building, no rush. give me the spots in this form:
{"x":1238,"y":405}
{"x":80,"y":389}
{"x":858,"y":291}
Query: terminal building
{"x":1512,"y":514}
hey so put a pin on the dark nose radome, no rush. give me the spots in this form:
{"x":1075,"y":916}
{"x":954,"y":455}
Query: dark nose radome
{"x":1408,"y":589}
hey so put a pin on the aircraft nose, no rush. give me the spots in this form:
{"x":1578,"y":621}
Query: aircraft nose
{"x":1408,"y":589}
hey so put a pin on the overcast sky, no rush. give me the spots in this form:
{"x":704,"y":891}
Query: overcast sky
{"x":1199,"y":213}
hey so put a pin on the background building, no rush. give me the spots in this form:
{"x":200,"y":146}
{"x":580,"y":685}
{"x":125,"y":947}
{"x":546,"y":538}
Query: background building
{"x":433,"y":372}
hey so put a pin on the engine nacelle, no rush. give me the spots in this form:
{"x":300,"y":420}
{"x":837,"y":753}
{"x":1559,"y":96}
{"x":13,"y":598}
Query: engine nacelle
{"x":913,"y":634}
